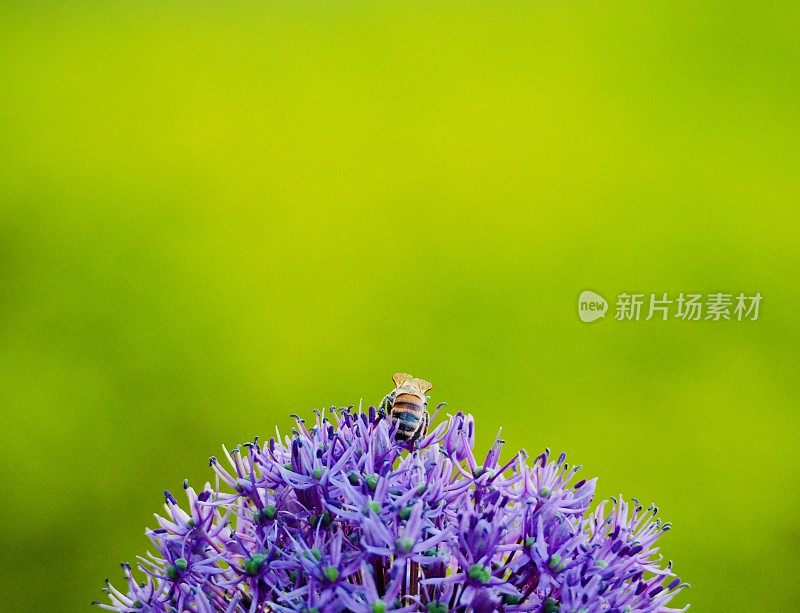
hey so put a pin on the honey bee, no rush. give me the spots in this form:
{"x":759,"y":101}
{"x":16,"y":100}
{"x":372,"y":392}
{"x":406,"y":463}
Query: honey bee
{"x":406,"y":405}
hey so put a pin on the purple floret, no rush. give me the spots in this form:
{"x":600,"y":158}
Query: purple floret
{"x":341,"y":516}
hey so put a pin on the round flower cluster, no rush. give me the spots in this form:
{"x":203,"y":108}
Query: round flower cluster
{"x":341,"y":516}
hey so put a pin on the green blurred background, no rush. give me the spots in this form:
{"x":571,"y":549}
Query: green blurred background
{"x":214,"y":215}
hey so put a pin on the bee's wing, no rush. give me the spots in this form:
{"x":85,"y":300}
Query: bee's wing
{"x":400,"y":378}
{"x":424,"y":386}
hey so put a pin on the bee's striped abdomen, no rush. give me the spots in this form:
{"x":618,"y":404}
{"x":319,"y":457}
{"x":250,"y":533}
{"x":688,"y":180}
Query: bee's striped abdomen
{"x":407,"y":414}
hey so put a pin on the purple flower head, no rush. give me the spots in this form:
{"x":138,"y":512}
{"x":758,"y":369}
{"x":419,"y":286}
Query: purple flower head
{"x":342,"y":516}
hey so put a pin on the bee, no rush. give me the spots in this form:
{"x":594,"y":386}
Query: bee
{"x":406,"y":405}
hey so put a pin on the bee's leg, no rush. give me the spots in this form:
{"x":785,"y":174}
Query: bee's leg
{"x":423,"y":426}
{"x":384,"y":405}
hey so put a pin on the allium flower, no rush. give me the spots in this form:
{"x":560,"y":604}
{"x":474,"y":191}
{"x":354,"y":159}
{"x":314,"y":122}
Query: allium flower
{"x":343,"y":517}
